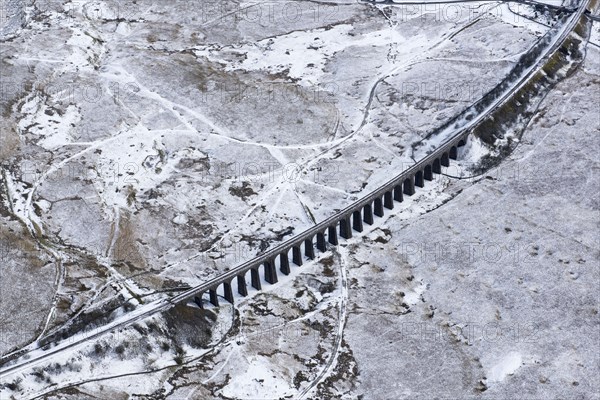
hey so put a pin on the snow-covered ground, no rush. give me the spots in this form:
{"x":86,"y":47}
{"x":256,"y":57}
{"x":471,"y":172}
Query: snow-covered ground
{"x":149,"y":145}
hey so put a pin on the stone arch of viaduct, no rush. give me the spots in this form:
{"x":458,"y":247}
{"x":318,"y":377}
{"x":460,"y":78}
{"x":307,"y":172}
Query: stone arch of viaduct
{"x":304,"y":246}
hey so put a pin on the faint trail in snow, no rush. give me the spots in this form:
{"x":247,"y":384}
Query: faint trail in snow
{"x":58,"y":284}
{"x":118,"y":100}
{"x":191,"y":393}
{"x":218,"y":371}
{"x":277,"y":154}
{"x":149,"y":94}
{"x":532,"y":150}
{"x":277,"y":202}
{"x":333,"y":189}
{"x":235,"y":11}
{"x":57,"y":167}
{"x":307,"y":213}
{"x":114,"y":232}
{"x":96,"y":292}
{"x":262,"y":197}
{"x":342,"y":318}
{"x":216,"y":130}
{"x":382,"y":146}
{"x":322,"y":306}
{"x":48,"y":60}
{"x":512,"y":58}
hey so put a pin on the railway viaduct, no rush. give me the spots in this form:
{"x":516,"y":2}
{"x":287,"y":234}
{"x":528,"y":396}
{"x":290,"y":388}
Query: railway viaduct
{"x":328,"y":232}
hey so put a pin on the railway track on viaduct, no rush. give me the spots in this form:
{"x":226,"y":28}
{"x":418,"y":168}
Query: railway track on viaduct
{"x":295,"y":251}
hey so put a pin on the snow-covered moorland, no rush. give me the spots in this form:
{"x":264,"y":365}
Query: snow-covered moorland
{"x":147,"y":146}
